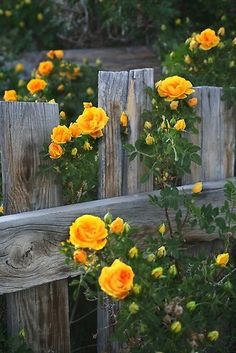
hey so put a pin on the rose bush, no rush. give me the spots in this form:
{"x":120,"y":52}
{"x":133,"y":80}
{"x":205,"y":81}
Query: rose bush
{"x":172,"y":300}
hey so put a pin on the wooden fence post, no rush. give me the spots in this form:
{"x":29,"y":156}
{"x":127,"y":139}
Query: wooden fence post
{"x":217,"y":134}
{"x":43,"y":311}
{"x":118,"y":92}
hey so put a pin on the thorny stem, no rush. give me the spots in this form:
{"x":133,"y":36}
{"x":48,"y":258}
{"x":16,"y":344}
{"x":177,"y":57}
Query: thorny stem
{"x":168,"y":221}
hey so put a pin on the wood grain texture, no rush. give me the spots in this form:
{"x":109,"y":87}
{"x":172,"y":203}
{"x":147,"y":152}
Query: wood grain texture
{"x":120,"y":92}
{"x":29,"y":241}
{"x":217,"y":135}
{"x":43,"y":312}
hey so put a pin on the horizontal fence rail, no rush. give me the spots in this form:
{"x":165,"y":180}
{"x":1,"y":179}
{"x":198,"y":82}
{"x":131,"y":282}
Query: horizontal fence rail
{"x":29,"y":248}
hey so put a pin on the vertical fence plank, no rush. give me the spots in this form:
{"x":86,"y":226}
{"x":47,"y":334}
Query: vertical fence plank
{"x":118,"y":92}
{"x":43,"y":312}
{"x":217,"y":134}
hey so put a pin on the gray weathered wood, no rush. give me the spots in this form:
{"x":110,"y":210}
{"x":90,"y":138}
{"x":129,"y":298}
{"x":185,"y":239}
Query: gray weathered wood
{"x":41,"y":312}
{"x":217,"y":135}
{"x":120,"y":92}
{"x":29,"y":241}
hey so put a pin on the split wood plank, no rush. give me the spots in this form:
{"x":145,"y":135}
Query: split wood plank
{"x":43,"y":312}
{"x":120,"y":92}
{"x":217,"y":135}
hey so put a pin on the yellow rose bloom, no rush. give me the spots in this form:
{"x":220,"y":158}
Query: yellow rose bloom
{"x":222,"y":259}
{"x":55,"y":151}
{"x":10,"y":96}
{"x":61,"y":134}
{"x":176,"y":326}
{"x":58,"y":54}
{"x":133,"y":252}
{"x":35,"y":85}
{"x":213,"y":335}
{"x":162,"y":228}
{"x":88,"y":232}
{"x":207,"y":39}
{"x":174,"y":87}
{"x":75,"y":130}
{"x":149,"y":139}
{"x":147,"y":125}
{"x":221,"y":31}
{"x":174,"y":105}
{"x":87,"y":146}
{"x":80,"y":256}
{"x":197,"y":187}
{"x":123,"y":119}
{"x":192,"y":102}
{"x":116,"y":280}
{"x":19,"y":68}
{"x":62,"y":114}
{"x":45,"y":68}
{"x":157,"y":272}
{"x":180,"y":125}
{"x":92,"y":121}
{"x":161,"y":252}
{"x":117,"y":226}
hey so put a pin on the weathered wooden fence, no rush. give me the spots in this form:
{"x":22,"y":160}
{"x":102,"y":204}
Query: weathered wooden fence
{"x":32,"y":271}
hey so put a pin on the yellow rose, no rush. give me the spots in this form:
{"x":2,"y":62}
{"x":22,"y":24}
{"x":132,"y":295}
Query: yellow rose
{"x":123,"y":119}
{"x":19,"y":68}
{"x":92,"y":121}
{"x":88,"y":232}
{"x":174,"y":87}
{"x":80,"y":256}
{"x":180,"y":125}
{"x":45,"y":68}
{"x":207,"y":39}
{"x":55,"y":151}
{"x":213,"y":335}
{"x":58,"y":54}
{"x":197,"y":187}
{"x":222,"y":259}
{"x":192,"y":102}
{"x":61,"y":88}
{"x":87,"y":146}
{"x":147,"y":125}
{"x":187,"y":59}
{"x":35,"y":85}
{"x":133,"y":252}
{"x":149,"y":139}
{"x":117,"y":280}
{"x":1,"y":209}
{"x":62,"y":114}
{"x":221,"y":31}
{"x":161,"y":252}
{"x":75,"y":130}
{"x":117,"y":226}
{"x":50,"y":54}
{"x":61,"y":134}
{"x":162,"y":228}
{"x":174,"y":105}
{"x":157,"y":272}
{"x":10,"y":96}
{"x":176,"y":326}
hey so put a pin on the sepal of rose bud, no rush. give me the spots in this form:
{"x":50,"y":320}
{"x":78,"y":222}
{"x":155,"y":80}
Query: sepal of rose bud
{"x":107,"y":218}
